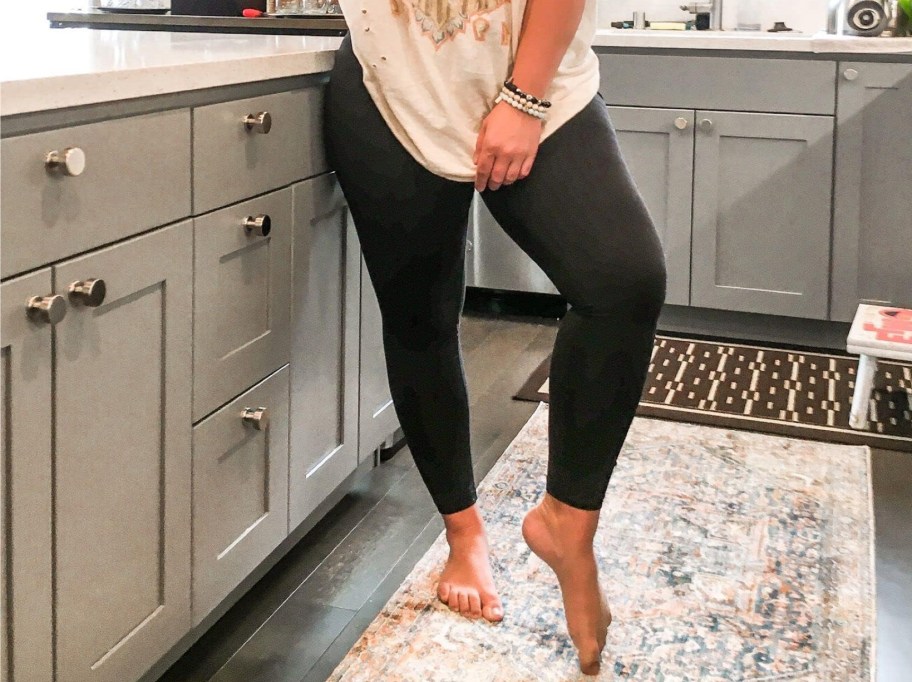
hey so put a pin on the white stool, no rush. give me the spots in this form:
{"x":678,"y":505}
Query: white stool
{"x":877,"y":332}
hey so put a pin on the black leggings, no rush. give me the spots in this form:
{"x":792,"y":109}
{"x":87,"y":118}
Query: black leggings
{"x":578,"y":215}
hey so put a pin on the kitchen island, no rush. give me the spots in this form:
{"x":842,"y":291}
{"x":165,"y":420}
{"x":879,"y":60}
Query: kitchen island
{"x":193,"y":368}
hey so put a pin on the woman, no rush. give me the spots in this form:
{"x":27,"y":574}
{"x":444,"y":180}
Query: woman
{"x":417,"y":115}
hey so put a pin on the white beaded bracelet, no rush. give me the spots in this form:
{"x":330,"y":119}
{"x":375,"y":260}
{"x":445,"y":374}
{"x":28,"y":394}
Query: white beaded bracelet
{"x":511,"y":99}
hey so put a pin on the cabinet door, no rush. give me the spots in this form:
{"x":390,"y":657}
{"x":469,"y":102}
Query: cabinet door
{"x":122,"y":449}
{"x":241,"y":298}
{"x":326,"y":273}
{"x":657,"y":145}
{"x":378,"y":417}
{"x":25,"y":484}
{"x":240,"y":490}
{"x":872,"y":230}
{"x":761,"y":234}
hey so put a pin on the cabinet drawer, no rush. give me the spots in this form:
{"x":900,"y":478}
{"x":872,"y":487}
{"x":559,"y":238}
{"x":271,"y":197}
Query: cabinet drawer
{"x":136,"y":176}
{"x":233,"y":161}
{"x":734,"y":84}
{"x":240,"y":490}
{"x":242,"y":297}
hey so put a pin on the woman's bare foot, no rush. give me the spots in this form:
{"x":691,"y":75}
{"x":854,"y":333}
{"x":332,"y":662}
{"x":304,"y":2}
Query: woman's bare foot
{"x":562,"y":537}
{"x":466,"y":584}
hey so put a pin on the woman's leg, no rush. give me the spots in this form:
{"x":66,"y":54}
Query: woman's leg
{"x":581,"y":218}
{"x":412,"y":228}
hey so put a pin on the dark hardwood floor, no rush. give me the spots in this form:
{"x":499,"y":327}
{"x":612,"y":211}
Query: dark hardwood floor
{"x":298,"y":622}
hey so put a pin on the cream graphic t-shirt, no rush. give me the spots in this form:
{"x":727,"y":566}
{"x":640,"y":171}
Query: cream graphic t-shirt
{"x":434,"y":68}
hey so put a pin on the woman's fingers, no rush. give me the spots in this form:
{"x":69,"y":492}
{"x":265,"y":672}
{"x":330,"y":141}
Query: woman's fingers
{"x":514,"y":172}
{"x":526,"y":167}
{"x":499,"y":171}
{"x":483,"y":169}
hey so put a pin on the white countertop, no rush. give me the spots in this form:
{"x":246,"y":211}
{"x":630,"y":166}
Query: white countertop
{"x":816,"y":43}
{"x":44,"y":68}
{"x":66,"y":67}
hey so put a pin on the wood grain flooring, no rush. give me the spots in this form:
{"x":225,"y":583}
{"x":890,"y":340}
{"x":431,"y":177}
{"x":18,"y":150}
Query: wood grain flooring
{"x":300,"y":620}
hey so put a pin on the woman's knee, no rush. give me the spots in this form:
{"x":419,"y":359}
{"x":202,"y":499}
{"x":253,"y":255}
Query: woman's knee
{"x":636,"y":291}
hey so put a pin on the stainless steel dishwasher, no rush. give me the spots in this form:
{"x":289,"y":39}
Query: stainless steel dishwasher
{"x":494,"y":261}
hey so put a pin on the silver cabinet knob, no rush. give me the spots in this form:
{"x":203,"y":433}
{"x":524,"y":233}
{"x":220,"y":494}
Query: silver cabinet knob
{"x":257,"y":417}
{"x":258,"y":226}
{"x":48,"y":309}
{"x":850,"y":74}
{"x":88,"y":292}
{"x":71,"y":161}
{"x":706,"y":125}
{"x":681,"y":123}
{"x":259,"y":123}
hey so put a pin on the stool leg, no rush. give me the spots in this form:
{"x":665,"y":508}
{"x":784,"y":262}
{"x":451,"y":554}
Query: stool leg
{"x":864,"y":382}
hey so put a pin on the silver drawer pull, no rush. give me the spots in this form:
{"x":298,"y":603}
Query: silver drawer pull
{"x":257,"y":417}
{"x":259,"y":123}
{"x":681,"y":123}
{"x":850,"y":74}
{"x":258,"y":226}
{"x":706,"y":125}
{"x":71,"y":161}
{"x":47,"y":309}
{"x":88,"y":292}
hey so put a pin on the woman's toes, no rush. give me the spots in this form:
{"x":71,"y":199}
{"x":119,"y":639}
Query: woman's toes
{"x":492,"y":611}
{"x":453,"y":601}
{"x":474,"y":605}
{"x":443,"y":592}
{"x":590,"y":659}
{"x":463,"y":602}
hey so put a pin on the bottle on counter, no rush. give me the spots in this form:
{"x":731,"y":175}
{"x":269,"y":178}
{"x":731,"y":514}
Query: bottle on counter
{"x":288,"y":7}
{"x":749,"y":16}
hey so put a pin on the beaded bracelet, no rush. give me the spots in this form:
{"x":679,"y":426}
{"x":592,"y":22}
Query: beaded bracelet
{"x":508,"y":97}
{"x":512,"y":87}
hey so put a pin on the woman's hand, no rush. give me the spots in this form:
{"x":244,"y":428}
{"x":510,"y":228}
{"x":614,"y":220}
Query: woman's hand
{"x":506,"y":147}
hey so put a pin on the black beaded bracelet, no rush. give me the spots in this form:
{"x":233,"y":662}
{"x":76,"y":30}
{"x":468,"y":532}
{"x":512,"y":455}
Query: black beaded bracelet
{"x":512,"y":87}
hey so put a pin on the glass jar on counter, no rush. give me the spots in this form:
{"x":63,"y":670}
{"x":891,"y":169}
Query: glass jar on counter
{"x":288,"y":6}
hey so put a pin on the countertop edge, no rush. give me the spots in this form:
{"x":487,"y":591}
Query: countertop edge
{"x":31,"y":95}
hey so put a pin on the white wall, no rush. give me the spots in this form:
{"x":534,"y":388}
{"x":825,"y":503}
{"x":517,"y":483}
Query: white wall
{"x":808,"y":16}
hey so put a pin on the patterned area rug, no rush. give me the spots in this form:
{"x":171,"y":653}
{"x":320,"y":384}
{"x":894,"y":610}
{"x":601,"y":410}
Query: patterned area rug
{"x":769,"y":390}
{"x":726,"y":556}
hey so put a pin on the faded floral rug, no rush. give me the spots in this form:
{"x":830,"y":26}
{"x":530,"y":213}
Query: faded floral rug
{"x":726,"y":555}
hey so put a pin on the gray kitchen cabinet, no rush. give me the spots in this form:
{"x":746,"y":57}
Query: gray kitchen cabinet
{"x":761,"y":232}
{"x":378,"y":418}
{"x":240,"y":489}
{"x":245,"y":147}
{"x":872,"y":229}
{"x":658,"y":147}
{"x":26,"y":638}
{"x":241,"y":297}
{"x":326,"y":275}
{"x":122,"y":457}
{"x":124,"y":168}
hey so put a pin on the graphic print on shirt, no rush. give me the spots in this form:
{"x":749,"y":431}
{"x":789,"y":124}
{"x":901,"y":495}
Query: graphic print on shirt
{"x":443,"y":20}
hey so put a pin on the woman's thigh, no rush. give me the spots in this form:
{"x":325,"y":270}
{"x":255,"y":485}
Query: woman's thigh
{"x":581,"y":218}
{"x":411,"y":223}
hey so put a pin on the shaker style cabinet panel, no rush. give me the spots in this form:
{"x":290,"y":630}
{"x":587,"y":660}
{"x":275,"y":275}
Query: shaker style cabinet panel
{"x":25,"y":478}
{"x":326,"y":274}
{"x":378,"y":417}
{"x":241,"y":297}
{"x":240,"y":490}
{"x":122,"y":458}
{"x":872,"y":230}
{"x":658,"y":145}
{"x":761,"y":233}
{"x":71,"y":189}
{"x":246,"y":147}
